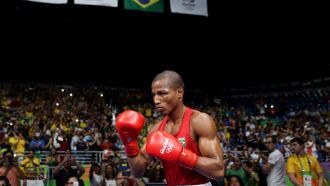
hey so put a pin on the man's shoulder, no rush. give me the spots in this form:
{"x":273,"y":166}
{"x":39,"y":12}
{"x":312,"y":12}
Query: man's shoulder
{"x":313,"y":158}
{"x":203,"y":124}
{"x":198,"y":116}
{"x":292,"y":157}
{"x":276,"y":152}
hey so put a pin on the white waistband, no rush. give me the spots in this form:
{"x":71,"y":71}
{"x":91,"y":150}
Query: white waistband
{"x":204,"y":184}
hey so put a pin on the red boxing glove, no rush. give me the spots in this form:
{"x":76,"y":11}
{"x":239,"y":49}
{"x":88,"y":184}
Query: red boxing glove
{"x":129,"y":124}
{"x":166,"y":147}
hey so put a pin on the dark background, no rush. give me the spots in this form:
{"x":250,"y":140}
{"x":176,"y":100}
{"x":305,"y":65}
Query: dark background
{"x":240,"y":44}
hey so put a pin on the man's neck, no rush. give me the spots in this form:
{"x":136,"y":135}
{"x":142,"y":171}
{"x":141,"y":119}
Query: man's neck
{"x":302,"y":153}
{"x":177,"y":114}
{"x":272,"y":150}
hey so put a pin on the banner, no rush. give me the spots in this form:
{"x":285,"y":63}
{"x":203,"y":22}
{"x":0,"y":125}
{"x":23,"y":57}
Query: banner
{"x":110,"y":3}
{"x":195,"y":7}
{"x":51,"y":1}
{"x":145,"y":5}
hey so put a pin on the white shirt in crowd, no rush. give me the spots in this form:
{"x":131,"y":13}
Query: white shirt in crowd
{"x":276,"y":176}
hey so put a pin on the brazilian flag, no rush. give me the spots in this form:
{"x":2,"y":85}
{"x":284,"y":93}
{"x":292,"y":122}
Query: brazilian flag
{"x":145,"y":5}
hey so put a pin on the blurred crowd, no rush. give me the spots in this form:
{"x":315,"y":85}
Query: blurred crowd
{"x":39,"y":118}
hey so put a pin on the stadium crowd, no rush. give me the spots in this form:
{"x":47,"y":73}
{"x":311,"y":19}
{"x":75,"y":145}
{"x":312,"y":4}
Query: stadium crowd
{"x":49,"y":119}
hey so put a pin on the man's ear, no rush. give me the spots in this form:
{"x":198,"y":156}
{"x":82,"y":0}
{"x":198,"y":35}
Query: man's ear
{"x":180,"y":93}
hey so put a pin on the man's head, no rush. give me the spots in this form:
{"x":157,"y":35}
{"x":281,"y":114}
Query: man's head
{"x":68,"y":163}
{"x":237,"y":163}
{"x":234,"y":181}
{"x":167,"y":89}
{"x":31,"y":154}
{"x":297,"y":145}
{"x":8,"y":157}
{"x":74,"y":181}
{"x":97,"y":169}
{"x":270,"y":143}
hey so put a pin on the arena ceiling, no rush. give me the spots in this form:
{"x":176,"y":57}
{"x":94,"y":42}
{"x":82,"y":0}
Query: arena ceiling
{"x":252,"y":44}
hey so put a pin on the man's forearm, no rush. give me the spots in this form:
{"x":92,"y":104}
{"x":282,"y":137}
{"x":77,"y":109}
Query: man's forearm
{"x":294,"y":180}
{"x":137,"y":165}
{"x":80,"y":168}
{"x":320,"y":179}
{"x":58,"y":167}
{"x":210,"y":168}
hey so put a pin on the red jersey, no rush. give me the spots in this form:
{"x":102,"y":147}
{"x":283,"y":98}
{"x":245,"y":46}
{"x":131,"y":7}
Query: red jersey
{"x":175,"y":174}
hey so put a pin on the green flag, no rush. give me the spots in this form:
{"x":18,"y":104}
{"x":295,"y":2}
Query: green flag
{"x":145,"y":5}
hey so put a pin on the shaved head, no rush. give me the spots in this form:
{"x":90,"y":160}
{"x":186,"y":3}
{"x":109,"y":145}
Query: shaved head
{"x":174,"y":79}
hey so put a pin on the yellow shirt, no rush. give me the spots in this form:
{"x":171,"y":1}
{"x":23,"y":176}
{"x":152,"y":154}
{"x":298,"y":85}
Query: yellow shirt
{"x":64,"y":127}
{"x":12,"y":141}
{"x":29,"y":168}
{"x":295,"y":164}
{"x":83,"y":125}
{"x":20,"y":146}
{"x":27,"y":163}
{"x":53,"y":127}
{"x":148,"y":112}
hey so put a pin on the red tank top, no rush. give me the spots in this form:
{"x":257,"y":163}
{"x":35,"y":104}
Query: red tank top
{"x":175,"y":174}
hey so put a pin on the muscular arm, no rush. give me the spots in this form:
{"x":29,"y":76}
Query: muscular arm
{"x":210,"y":163}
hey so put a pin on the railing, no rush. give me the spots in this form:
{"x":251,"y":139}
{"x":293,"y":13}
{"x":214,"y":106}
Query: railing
{"x":82,"y":157}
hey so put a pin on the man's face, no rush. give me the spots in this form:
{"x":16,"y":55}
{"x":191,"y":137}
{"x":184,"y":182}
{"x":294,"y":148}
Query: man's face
{"x":109,"y":170}
{"x":120,"y":180}
{"x":269,"y":144}
{"x":295,"y":147}
{"x":71,"y":181}
{"x":164,"y":96}
{"x":8,"y":158}
{"x":237,"y":163}
{"x":234,"y":181}
{"x":31,"y":154}
{"x":67,"y":164}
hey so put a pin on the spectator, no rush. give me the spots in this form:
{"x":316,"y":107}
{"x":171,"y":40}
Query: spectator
{"x":274,"y":164}
{"x":64,"y":170}
{"x":53,"y":159}
{"x":302,"y":168}
{"x":73,"y":181}
{"x":124,"y":180}
{"x":49,"y":146}
{"x":81,"y":144}
{"x":237,"y":170}
{"x":20,"y":144}
{"x":30,"y":165}
{"x":64,"y":145}
{"x":74,"y":140}
{"x":95,"y":175}
{"x":94,"y":145}
{"x":253,"y":179}
{"x":9,"y":169}
{"x":37,"y":143}
{"x":110,"y":175}
{"x":234,"y":180}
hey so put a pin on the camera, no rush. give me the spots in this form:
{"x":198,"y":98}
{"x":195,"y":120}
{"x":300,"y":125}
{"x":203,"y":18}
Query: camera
{"x":10,"y":124}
